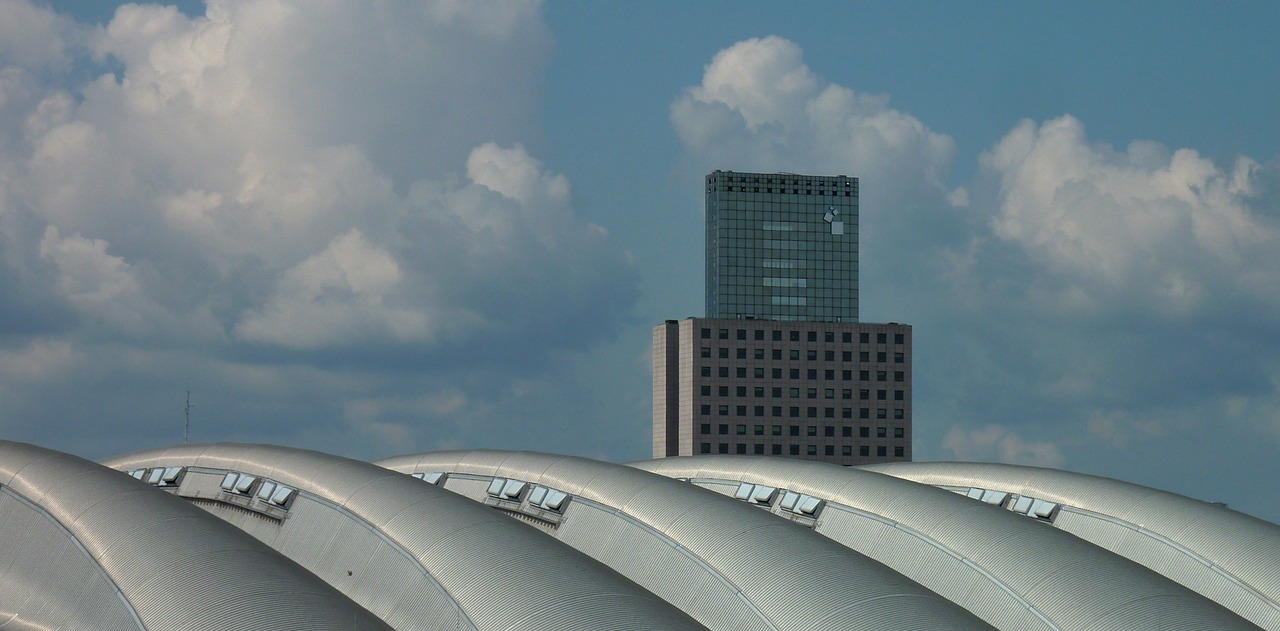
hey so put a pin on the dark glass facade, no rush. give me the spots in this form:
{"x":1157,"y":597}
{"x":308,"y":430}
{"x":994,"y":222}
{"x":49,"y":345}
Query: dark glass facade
{"x":782,"y":246}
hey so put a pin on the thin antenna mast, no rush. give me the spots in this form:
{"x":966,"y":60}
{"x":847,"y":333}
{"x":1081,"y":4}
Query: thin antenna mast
{"x":186,"y":419}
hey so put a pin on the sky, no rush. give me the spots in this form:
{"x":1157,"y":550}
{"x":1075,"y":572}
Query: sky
{"x":385,"y":227}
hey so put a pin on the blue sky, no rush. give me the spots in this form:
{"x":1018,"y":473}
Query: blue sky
{"x":373,"y":228}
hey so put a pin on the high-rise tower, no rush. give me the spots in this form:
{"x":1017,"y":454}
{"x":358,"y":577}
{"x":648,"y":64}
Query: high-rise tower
{"x":780,"y":365}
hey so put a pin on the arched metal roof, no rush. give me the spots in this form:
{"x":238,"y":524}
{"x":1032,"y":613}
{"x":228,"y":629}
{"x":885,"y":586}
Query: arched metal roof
{"x":413,"y":554}
{"x":83,"y":547}
{"x":1013,"y":572}
{"x":1228,"y":556}
{"x":726,"y":564}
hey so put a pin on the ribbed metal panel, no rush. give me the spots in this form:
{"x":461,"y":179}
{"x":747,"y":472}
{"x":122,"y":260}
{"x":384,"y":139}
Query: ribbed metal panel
{"x":1146,"y":525}
{"x":689,"y":545}
{"x":1011,"y":570}
{"x":175,"y":565}
{"x":419,"y":556}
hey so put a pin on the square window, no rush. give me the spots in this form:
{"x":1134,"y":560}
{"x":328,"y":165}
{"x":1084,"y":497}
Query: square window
{"x":830,"y":336}
{"x":898,"y":358}
{"x":706,"y":410}
{"x":794,"y":392}
{"x":882,"y":356}
{"x":829,"y":356}
{"x":794,"y":354}
{"x":706,"y":351}
{"x":846,"y":356}
{"x":742,"y":353}
{"x":899,"y":432}
{"x":759,"y":373}
{"x":795,"y":373}
{"x":777,"y":450}
{"x":899,"y":338}
{"x":706,"y":334}
{"x":846,"y":393}
{"x":742,"y":449}
{"x":846,"y":337}
{"x":759,"y":450}
{"x":812,"y":373}
{"x":898,"y":375}
{"x":706,"y":391}
{"x":777,"y":410}
{"x":882,"y":395}
{"x":724,"y":353}
{"x":882,"y":338}
{"x":759,"y":334}
{"x":741,"y":391}
{"x":811,"y":393}
{"x":864,"y":375}
{"x":724,"y":334}
{"x":706,"y":447}
{"x":742,"y":334}
{"x":898,"y":451}
{"x":865,"y":338}
{"x":724,"y":428}
{"x":864,"y":413}
{"x":899,"y":395}
{"x":795,"y":450}
{"x":794,"y":411}
{"x":777,"y":373}
{"x":777,"y":353}
{"x":812,"y":430}
{"x":864,"y":450}
{"x":777,"y":336}
{"x":811,"y":450}
{"x":829,"y":431}
{"x":777,"y":392}
{"x":742,"y":410}
{"x":830,"y":450}
{"x":813,"y":336}
{"x":846,"y":375}
{"x":811,"y":355}
{"x":793,"y":430}
{"x":880,"y":451}
{"x":846,"y":432}
{"x":758,"y":392}
{"x":829,"y":393}
{"x":724,"y":391}
{"x":882,"y":375}
{"x":759,"y":410}
{"x":864,"y":432}
{"x":829,"y":412}
{"x":706,"y":428}
{"x":723,"y":410}
{"x":898,"y":414}
{"x":864,"y":356}
{"x":795,"y":336}
{"x":813,"y":412}
{"x":881,"y":413}
{"x":724,"y":371}
{"x":846,"y":412}
{"x":846,"y":450}
{"x":830,"y":375}
{"x":864,"y":394}
{"x":706,"y":371}
{"x":759,"y":353}
{"x":775,"y":430}
{"x":742,"y":429}
{"x":882,"y":432}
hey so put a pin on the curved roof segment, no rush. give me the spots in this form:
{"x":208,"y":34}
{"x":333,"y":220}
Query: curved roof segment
{"x":1013,"y":572}
{"x":727,"y":564}
{"x":412,"y":553}
{"x":1228,"y":556}
{"x":83,"y":547}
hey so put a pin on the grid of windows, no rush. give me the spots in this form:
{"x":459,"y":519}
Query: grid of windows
{"x":782,"y":247}
{"x":807,"y":397}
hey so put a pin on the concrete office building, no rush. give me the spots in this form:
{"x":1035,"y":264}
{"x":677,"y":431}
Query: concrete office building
{"x":780,"y":365}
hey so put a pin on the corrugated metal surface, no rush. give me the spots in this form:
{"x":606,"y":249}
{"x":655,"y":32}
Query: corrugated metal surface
{"x":688,"y":544}
{"x":177,"y":567}
{"x":1013,"y":571}
{"x":422,"y":557}
{"x":1234,"y":558}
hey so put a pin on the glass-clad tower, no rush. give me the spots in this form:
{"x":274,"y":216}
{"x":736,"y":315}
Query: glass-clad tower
{"x":782,"y":246}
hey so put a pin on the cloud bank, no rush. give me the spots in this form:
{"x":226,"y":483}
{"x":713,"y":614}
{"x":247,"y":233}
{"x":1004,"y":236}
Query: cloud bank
{"x":327,"y":198}
{"x":1072,"y":305}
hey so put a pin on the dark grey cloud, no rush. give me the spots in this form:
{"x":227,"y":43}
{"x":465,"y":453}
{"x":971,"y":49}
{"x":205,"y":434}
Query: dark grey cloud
{"x":319,"y":216}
